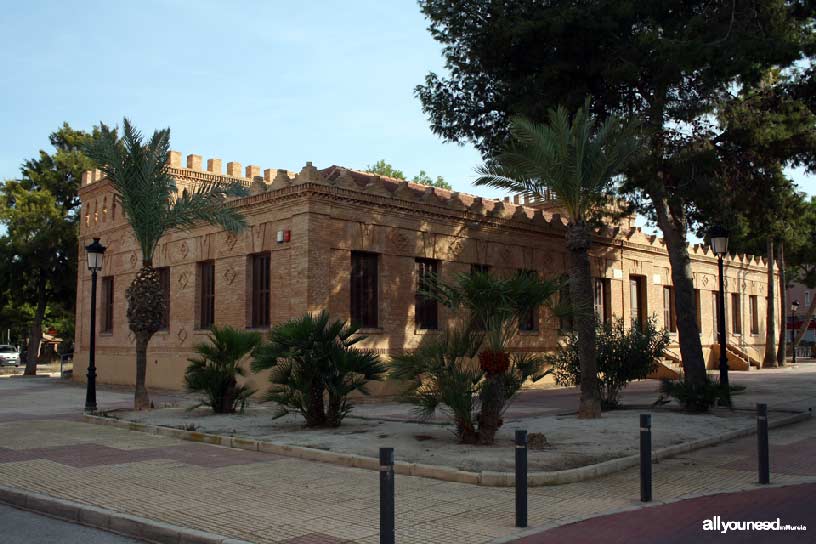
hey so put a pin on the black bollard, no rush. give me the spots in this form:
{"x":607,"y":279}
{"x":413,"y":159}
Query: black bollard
{"x":387,"y":529}
{"x":521,"y":478}
{"x":762,"y":444}
{"x":645,"y":457}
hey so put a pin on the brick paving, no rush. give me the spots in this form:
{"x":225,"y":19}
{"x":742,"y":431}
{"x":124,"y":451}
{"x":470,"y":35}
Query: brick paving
{"x":791,"y":505}
{"x":274,"y":500}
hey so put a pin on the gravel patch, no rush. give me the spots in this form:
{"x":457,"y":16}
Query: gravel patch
{"x":570,"y":442}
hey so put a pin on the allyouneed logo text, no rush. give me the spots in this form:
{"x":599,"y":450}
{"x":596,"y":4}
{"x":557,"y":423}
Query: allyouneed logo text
{"x":717,"y":524}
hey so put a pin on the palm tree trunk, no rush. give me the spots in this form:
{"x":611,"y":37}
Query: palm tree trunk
{"x":492,"y":397}
{"x":141,"y":398}
{"x":35,"y":333}
{"x":226,"y":404}
{"x":145,"y":312}
{"x":770,"y":325}
{"x":805,"y":324}
{"x":783,"y":302}
{"x":672,"y":222}
{"x":582,"y":296}
{"x":465,"y":431}
{"x":315,"y":412}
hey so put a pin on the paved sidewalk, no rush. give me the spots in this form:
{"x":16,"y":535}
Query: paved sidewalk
{"x":682,"y":522}
{"x":269,"y":499}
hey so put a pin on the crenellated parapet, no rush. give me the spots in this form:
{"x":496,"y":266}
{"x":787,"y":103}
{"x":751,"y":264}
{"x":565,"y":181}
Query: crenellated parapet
{"x":193,"y":170}
{"x":543,"y":214}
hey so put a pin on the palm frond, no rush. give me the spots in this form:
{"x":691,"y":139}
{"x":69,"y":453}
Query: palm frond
{"x":214,"y":370}
{"x":313,"y":357}
{"x":577,"y":159}
{"x":147,"y":193}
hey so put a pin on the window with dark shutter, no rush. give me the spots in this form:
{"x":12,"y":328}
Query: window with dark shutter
{"x":603,"y":309}
{"x":754,"y":307}
{"x":669,"y":317}
{"x":206,"y":294}
{"x":364,"y":307}
{"x":528,"y":321}
{"x":426,"y":314}
{"x":107,"y":304}
{"x":637,"y":301}
{"x":715,"y":302}
{"x":736,"y":314}
{"x":479,"y":269}
{"x":164,"y":281}
{"x":260,"y":283}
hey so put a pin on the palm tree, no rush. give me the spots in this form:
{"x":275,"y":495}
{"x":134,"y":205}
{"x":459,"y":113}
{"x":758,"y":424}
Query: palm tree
{"x":579,"y":162}
{"x":313,"y":360}
{"x":491,"y":310}
{"x":148,"y":196}
{"x":214,"y":370}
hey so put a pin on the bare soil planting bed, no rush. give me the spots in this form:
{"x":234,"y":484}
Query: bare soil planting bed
{"x":571,"y":442}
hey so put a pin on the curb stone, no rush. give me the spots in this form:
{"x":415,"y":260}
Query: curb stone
{"x":107,"y":520}
{"x":485,"y":478}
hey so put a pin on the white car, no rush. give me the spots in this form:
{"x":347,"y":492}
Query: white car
{"x":9,"y":356}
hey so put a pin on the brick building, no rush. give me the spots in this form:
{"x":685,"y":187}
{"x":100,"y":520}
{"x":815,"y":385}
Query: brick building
{"x":358,"y":245}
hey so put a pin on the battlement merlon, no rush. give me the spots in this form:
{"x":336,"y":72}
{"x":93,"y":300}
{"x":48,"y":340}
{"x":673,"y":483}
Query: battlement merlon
{"x":194,"y":171}
{"x":513,"y":211}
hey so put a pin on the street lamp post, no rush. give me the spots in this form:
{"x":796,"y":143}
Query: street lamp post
{"x":719,"y":243}
{"x":794,"y":309}
{"x":95,"y":252}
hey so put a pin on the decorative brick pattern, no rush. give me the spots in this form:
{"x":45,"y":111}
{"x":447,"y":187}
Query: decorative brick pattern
{"x":332,"y":212}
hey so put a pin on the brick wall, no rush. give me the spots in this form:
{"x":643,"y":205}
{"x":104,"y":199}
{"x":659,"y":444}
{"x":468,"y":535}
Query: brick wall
{"x":331,"y":213}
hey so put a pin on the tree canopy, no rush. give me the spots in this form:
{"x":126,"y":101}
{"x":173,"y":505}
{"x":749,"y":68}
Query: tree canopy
{"x":382,"y":168}
{"x":668,"y":63}
{"x":39,"y":248}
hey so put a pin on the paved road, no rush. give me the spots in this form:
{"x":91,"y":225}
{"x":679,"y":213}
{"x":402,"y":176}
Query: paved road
{"x":267,"y":499}
{"x":682,"y":522}
{"x":20,"y":527}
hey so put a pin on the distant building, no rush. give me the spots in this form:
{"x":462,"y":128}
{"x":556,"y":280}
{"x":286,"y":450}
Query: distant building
{"x":358,"y":244}
{"x":798,"y":292}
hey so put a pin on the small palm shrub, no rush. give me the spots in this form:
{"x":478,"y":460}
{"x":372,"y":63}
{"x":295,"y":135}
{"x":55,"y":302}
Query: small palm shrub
{"x":443,"y":374}
{"x":623,"y":355}
{"x":696,"y":398}
{"x":215,"y":369}
{"x":315,"y":367}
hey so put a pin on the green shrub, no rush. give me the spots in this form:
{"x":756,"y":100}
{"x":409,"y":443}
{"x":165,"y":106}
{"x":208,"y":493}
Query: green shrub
{"x":488,"y":310}
{"x":443,"y":374}
{"x":315,"y":367}
{"x":214,"y":371}
{"x":623,"y":355}
{"x":694,"y":398}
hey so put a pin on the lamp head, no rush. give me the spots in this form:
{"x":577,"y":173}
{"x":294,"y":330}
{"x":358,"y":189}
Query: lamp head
{"x":95,"y":251}
{"x":718,"y":237}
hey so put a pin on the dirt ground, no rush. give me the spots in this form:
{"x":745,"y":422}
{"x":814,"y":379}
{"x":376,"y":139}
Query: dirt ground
{"x":570,"y":442}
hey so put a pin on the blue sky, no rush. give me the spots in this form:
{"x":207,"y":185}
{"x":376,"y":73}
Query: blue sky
{"x":269,"y":83}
